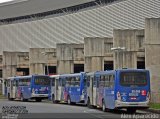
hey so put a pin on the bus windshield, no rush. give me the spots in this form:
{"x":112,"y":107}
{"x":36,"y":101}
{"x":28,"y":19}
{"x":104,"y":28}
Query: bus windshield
{"x":42,"y":80}
{"x":130,"y":79}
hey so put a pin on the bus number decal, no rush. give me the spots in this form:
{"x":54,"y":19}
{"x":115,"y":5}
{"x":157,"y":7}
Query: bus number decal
{"x":134,"y":93}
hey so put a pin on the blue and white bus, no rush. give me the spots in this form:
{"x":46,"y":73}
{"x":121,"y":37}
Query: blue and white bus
{"x":69,"y":88}
{"x":117,"y":89}
{"x":29,"y":87}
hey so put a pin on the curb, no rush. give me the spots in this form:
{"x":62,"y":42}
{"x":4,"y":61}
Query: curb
{"x":153,"y":110}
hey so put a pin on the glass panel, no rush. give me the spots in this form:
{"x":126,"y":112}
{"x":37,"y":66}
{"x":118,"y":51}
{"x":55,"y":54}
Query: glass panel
{"x":133,"y":79}
{"x":41,"y":80}
{"x":77,"y":81}
{"x":68,"y":82}
{"x":53,"y":81}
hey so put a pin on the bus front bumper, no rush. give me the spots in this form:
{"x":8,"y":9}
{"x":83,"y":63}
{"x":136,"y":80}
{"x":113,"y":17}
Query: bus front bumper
{"x":131,"y":104}
{"x":39,"y":95}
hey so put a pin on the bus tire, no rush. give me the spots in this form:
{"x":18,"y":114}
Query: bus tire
{"x":38,"y":99}
{"x":131,"y":110}
{"x":8,"y":96}
{"x":22,"y":98}
{"x":69,"y":100}
{"x":103,"y":106}
{"x":53,"y":99}
{"x":89,"y":104}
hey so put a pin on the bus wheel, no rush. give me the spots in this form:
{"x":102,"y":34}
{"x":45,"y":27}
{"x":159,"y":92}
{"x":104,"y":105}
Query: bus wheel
{"x":38,"y":99}
{"x":9,"y":96}
{"x":53,"y":99}
{"x":103,"y":106}
{"x":69,"y":100}
{"x":131,"y":110}
{"x":89,"y":104}
{"x":22,"y":99}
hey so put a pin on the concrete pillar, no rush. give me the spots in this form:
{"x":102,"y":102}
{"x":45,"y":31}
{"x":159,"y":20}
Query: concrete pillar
{"x":66,"y":56}
{"x":94,"y":54}
{"x":37,"y":60}
{"x":9,"y":64}
{"x":128,"y":39}
{"x":152,"y":56}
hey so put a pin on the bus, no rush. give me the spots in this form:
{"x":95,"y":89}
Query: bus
{"x":29,"y":87}
{"x":69,"y":88}
{"x":118,"y":89}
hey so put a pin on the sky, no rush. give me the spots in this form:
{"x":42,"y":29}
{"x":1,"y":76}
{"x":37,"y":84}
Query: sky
{"x":2,"y":1}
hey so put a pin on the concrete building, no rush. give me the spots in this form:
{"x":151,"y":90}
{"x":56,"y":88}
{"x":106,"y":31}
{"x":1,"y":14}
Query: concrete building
{"x":15,"y":63}
{"x":42,"y":61}
{"x":70,"y":58}
{"x":128,"y":48}
{"x":152,"y":56}
{"x":65,"y":24}
{"x":97,"y":53}
{"x":70,"y":38}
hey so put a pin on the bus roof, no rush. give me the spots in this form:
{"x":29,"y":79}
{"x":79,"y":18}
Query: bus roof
{"x":113,"y":71}
{"x":29,"y":76}
{"x":75,"y":74}
{"x":131,"y":69}
{"x":53,"y":76}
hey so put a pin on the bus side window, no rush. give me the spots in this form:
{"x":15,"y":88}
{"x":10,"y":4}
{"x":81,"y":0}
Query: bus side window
{"x":14,"y":82}
{"x":88,"y":81}
{"x":111,"y":81}
{"x":68,"y":81}
{"x":85,"y":81}
{"x":106,"y":81}
{"x":59,"y":82}
{"x":53,"y":82}
{"x":94,"y":81}
{"x":63,"y":82}
{"x":72,"y":81}
{"x":77,"y":81}
{"x":101,"y":81}
{"x":28,"y":82}
{"x":8,"y":83}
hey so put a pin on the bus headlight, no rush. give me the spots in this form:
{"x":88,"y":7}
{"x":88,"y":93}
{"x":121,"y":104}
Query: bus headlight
{"x":118,"y":96}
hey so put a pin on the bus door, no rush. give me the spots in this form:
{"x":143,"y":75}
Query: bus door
{"x":5,"y":83}
{"x":53,"y":86}
{"x":60,"y":89}
{"x":13,"y":89}
{"x":92,"y":90}
{"x":56,"y":94}
{"x":109,"y":91}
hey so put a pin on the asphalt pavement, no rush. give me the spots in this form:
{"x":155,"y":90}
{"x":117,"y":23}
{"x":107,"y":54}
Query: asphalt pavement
{"x":47,"y":109}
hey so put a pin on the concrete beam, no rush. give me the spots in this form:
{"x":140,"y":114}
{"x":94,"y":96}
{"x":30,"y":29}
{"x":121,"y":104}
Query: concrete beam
{"x":94,"y":53}
{"x":41,"y":57}
{"x":67,"y":54}
{"x":128,"y":39}
{"x":12,"y":61}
